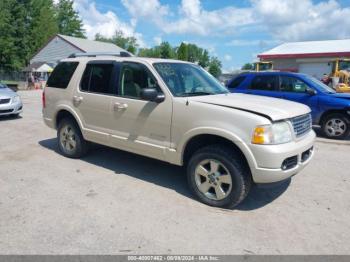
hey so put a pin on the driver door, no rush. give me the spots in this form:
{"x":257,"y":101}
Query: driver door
{"x":137,"y":125}
{"x":294,"y":89}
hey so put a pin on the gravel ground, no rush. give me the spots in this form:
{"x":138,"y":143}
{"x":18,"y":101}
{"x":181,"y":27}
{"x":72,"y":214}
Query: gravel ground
{"x":112,"y":202}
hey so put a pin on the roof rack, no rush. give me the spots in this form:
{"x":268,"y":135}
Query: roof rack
{"x":95,"y":54}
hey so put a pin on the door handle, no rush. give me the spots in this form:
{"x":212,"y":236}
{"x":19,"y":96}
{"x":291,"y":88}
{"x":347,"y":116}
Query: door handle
{"x":120,"y":106}
{"x":77,"y":99}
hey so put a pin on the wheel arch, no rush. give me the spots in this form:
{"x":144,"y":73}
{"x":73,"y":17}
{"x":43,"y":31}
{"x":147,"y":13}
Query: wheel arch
{"x":333,"y":111}
{"x":64,"y":112}
{"x":201,"y":140}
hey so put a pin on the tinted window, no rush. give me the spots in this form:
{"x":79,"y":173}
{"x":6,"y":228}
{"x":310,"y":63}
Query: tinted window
{"x":62,"y":74}
{"x":292,"y":84}
{"x":97,"y":79}
{"x":264,"y":83}
{"x":134,"y":77}
{"x":236,"y":82}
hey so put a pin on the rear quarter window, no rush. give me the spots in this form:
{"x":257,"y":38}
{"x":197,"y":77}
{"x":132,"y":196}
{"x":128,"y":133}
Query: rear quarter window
{"x":62,"y":74}
{"x":236,"y":82}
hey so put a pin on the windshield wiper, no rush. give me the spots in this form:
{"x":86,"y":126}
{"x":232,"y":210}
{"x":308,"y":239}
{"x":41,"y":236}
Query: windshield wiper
{"x":197,"y":94}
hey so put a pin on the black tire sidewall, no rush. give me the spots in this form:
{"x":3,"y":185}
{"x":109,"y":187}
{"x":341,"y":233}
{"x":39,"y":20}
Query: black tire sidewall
{"x":236,"y":173}
{"x":337,"y":116}
{"x":78,"y":138}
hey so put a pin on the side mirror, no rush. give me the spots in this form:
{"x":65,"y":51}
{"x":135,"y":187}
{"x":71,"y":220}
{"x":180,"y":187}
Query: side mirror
{"x":311,"y":91}
{"x":151,"y":94}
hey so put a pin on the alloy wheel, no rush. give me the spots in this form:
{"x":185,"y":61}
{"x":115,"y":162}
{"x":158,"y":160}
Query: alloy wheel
{"x":213,"y":179}
{"x":68,"y":138}
{"x":335,"y":127}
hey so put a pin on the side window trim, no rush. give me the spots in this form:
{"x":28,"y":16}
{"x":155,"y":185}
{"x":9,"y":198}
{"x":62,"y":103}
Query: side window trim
{"x":113,"y":78}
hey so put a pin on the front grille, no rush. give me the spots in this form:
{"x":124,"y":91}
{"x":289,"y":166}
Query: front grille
{"x":289,"y":163}
{"x":4,"y":101}
{"x":6,"y":111}
{"x":302,"y":124}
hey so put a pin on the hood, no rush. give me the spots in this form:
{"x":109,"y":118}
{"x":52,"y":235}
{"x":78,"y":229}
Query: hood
{"x":340,"y":95}
{"x":271,"y":108}
{"x":7,"y":92}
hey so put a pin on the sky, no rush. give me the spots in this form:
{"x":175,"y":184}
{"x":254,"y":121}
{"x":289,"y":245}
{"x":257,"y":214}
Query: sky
{"x":234,"y":31}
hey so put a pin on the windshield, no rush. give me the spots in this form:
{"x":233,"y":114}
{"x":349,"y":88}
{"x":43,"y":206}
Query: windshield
{"x":2,"y":86}
{"x":344,"y":65}
{"x":188,"y":80}
{"x":320,"y":85}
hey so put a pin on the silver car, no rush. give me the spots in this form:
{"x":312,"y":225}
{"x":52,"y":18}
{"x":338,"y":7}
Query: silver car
{"x":10,"y":102}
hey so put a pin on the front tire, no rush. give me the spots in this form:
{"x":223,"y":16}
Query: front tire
{"x":71,"y":142}
{"x":218,"y":177}
{"x":336,"y":126}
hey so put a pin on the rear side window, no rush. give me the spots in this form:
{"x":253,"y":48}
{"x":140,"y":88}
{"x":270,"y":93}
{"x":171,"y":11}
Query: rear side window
{"x":266,"y":82}
{"x":62,"y":74}
{"x":97,"y":78}
{"x":236,"y":82}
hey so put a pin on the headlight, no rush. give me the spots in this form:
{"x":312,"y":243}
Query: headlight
{"x":277,"y":133}
{"x":16,"y":99}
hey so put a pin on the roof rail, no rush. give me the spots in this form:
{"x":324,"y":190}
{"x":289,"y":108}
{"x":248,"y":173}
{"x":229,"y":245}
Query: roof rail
{"x":95,"y":54}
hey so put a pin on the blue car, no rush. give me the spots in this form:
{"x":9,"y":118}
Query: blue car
{"x":330,"y":110}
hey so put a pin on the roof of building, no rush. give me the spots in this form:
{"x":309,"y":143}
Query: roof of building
{"x":309,"y":49}
{"x":86,"y":45}
{"x":33,"y":67}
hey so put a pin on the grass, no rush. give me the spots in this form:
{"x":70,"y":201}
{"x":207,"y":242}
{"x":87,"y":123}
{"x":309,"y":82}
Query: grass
{"x":9,"y":82}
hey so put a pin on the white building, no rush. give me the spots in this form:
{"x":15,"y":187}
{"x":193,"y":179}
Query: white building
{"x":313,"y":57}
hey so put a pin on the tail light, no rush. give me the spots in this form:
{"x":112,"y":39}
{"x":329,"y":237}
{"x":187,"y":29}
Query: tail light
{"x":44,"y":99}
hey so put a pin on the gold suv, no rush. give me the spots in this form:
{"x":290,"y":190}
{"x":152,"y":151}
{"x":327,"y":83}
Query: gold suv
{"x":176,"y":112}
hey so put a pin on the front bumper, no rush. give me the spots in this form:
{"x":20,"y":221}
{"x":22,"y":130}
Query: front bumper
{"x":270,"y":159}
{"x":11,"y":108}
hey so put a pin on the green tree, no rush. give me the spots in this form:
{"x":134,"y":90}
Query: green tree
{"x":247,"y":66}
{"x":215,"y":67}
{"x":150,"y":52}
{"x":13,"y":24}
{"x":119,"y":39}
{"x":182,"y":52}
{"x":204,"y":59}
{"x":166,"y":51}
{"x":68,"y":19}
{"x":43,"y":24}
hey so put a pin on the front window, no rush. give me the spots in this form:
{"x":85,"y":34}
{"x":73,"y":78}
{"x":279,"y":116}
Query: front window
{"x":2,"y":86}
{"x":135,"y":77}
{"x":344,"y":65}
{"x":292,"y":84}
{"x":188,"y":80}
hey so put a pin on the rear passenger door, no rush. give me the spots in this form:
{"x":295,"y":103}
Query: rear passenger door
{"x":265,"y":85}
{"x":93,"y":98}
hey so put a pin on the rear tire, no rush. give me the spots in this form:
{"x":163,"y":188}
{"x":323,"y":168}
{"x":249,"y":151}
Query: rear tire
{"x":71,"y":142}
{"x":218,"y":176}
{"x":336,"y":126}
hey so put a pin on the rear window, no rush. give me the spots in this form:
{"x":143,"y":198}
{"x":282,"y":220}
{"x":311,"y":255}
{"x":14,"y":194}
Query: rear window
{"x":62,"y":74}
{"x":97,"y":78}
{"x":264,"y":83}
{"x":236,"y":82}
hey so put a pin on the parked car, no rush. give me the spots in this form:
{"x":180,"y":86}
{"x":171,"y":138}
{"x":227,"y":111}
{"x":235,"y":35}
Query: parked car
{"x":176,"y":112}
{"x":10,"y":101}
{"x":330,"y":110}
